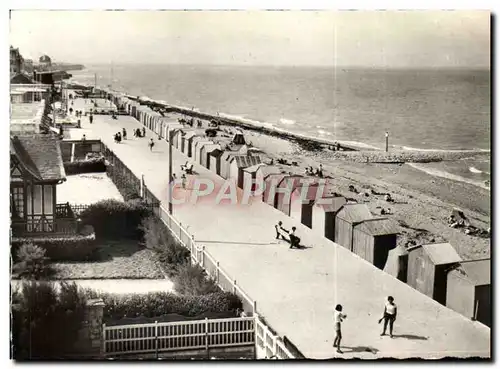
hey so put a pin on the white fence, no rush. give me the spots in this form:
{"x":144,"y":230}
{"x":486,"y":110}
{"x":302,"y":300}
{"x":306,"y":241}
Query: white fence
{"x":177,"y":336}
{"x":271,"y":345}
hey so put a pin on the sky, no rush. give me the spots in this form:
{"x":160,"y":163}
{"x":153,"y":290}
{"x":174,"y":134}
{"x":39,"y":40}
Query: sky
{"x":382,"y":39}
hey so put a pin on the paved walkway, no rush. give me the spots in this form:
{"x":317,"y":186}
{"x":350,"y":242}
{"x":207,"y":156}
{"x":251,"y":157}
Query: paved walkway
{"x":296,"y":290}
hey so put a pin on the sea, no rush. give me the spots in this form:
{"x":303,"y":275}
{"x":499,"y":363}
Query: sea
{"x":433,"y":109}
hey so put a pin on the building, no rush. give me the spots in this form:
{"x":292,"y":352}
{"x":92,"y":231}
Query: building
{"x":28,"y":117}
{"x":302,"y":202}
{"x":27,"y":92}
{"x":347,"y":217}
{"x":323,"y":215}
{"x":236,"y":165}
{"x":224,"y":163}
{"x":198,"y":145}
{"x":214,"y":160}
{"x":16,"y":61}
{"x":469,"y":290}
{"x":284,"y":190}
{"x":36,"y":168}
{"x":373,"y":239}
{"x":249,"y":177}
{"x":188,"y":143}
{"x":20,"y":78}
{"x":44,"y":62}
{"x":428,"y":268}
{"x":261,"y":175}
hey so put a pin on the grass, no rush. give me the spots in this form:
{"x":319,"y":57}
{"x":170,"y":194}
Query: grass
{"x":117,"y":260}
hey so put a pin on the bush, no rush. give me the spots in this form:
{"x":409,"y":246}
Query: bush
{"x":114,"y":219}
{"x":160,"y":303}
{"x":167,"y":249}
{"x":96,"y":165}
{"x":33,"y":263}
{"x":192,"y":280}
{"x":68,"y":248}
{"x":45,"y":323}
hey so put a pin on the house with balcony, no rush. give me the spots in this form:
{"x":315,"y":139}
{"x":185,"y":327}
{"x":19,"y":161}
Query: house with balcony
{"x":36,"y":169}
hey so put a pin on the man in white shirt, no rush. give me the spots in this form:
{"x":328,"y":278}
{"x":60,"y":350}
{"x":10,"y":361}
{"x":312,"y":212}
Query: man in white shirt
{"x":338,"y":318}
{"x":390,"y":313}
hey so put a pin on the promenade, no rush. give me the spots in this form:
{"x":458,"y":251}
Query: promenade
{"x":296,"y":290}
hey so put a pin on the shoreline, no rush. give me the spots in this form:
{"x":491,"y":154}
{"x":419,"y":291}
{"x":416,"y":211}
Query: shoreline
{"x":423,"y":202}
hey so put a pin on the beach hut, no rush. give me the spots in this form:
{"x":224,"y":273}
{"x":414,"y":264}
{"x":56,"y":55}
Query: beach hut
{"x":373,"y":239}
{"x":176,"y":135}
{"x":303,"y":199}
{"x":197,"y":148}
{"x":204,"y":153}
{"x":224,"y":163}
{"x":469,"y":290}
{"x":249,"y":174}
{"x":261,"y":175}
{"x":428,"y":266}
{"x":172,"y":127}
{"x":283,"y":190}
{"x":214,"y":160}
{"x":188,"y":142}
{"x":347,"y":217}
{"x":270,"y":184}
{"x":236,"y":165}
{"x":397,"y":263}
{"x":323,"y":215}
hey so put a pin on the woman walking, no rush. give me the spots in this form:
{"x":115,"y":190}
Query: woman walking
{"x":390,"y":313}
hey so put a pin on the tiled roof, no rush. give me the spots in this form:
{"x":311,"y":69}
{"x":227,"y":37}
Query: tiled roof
{"x":442,"y":253}
{"x":355,"y":213}
{"x":378,"y":227}
{"x":477,"y":271}
{"x":40,"y":155}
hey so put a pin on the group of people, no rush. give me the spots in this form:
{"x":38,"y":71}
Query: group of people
{"x":293,"y":239}
{"x":388,"y":317}
{"x":311,"y":172}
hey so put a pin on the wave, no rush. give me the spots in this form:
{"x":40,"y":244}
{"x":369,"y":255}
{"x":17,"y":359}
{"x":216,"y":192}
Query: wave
{"x":477,"y":171}
{"x":288,"y":122}
{"x":447,"y":175}
{"x":408,"y":148}
{"x":324,"y":133}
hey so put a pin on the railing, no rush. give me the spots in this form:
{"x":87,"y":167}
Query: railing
{"x":269,"y":344}
{"x":64,"y":211}
{"x":200,"y":256}
{"x":176,"y":336}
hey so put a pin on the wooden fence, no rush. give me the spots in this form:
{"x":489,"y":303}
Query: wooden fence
{"x":272,"y":345}
{"x":175,"y":336}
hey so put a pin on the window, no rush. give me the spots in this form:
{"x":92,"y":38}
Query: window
{"x":17,"y":202}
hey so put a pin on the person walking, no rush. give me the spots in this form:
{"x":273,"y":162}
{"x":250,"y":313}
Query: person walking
{"x":151,"y":144}
{"x":338,"y":318}
{"x":143,"y":131}
{"x":124,"y":133}
{"x":184,"y":179}
{"x":390,"y":313}
{"x":91,"y":118}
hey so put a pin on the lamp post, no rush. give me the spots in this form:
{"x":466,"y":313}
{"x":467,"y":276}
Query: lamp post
{"x":170,"y":178}
{"x":386,"y":141}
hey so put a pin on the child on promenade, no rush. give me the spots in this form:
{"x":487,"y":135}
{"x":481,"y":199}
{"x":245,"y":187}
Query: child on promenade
{"x":151,"y":144}
{"x":390,"y":312}
{"x":338,"y":318}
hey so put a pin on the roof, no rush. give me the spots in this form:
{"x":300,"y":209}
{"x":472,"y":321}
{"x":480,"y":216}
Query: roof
{"x":209,"y":147}
{"x":269,"y":169}
{"x":476,"y":271}
{"x":40,"y":155}
{"x":238,"y":139}
{"x":243,"y":161}
{"x":189,"y":135}
{"x":355,"y":213}
{"x":378,"y":227}
{"x":290,"y":177}
{"x":331,"y":204}
{"x":312,"y":190}
{"x":442,"y":253}
{"x":20,"y":78}
{"x":216,"y":152}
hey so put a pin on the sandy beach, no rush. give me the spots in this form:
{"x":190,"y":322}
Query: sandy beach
{"x":422,"y":203}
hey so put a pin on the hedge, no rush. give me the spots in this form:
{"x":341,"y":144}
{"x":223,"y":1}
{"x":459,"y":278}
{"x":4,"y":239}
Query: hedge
{"x":192,"y":280}
{"x":96,"y":165}
{"x":113,"y":219}
{"x":157,"y":304}
{"x":69,"y":248}
{"x":46,"y":323}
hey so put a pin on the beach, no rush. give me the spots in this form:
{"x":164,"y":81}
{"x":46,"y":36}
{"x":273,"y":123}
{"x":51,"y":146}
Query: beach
{"x":422,"y":204}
